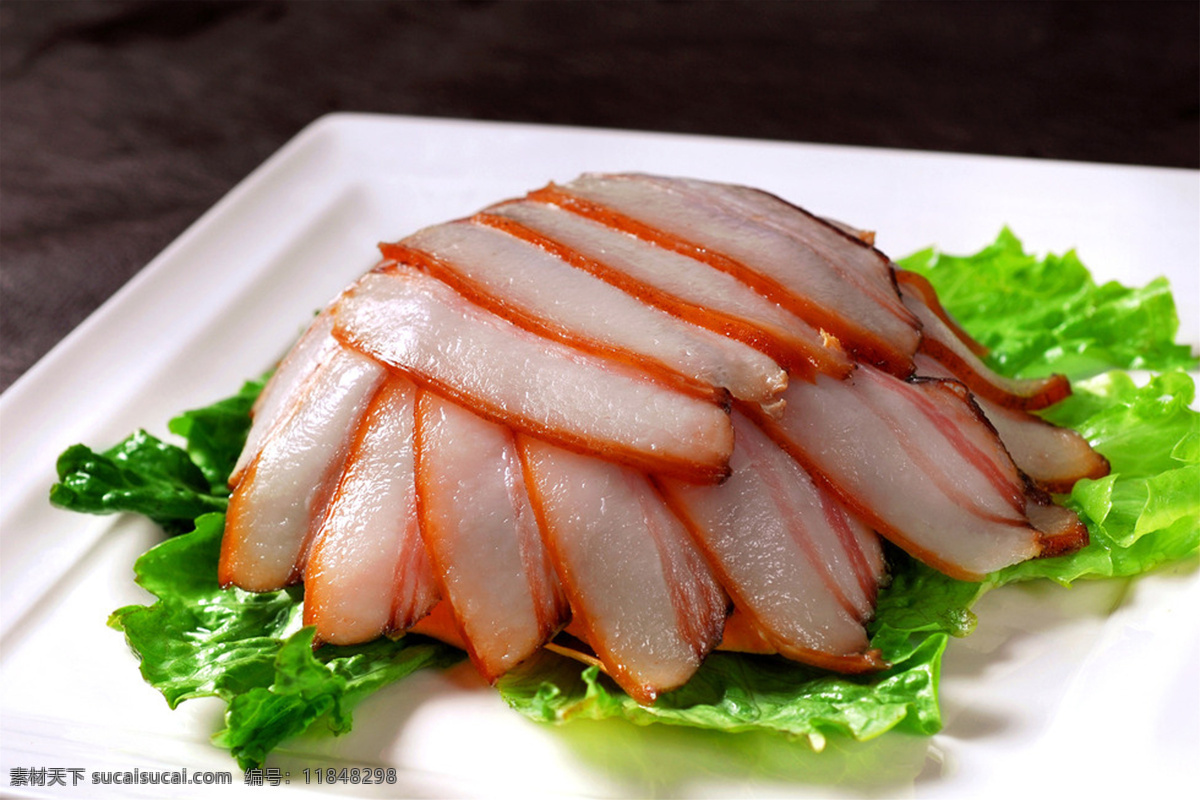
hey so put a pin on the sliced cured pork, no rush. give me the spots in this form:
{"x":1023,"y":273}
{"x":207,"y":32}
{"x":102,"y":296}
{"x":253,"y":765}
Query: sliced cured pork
{"x":644,"y":595}
{"x":830,"y":279}
{"x":794,"y":561}
{"x":480,"y":531}
{"x":941,"y":340}
{"x":657,"y":415}
{"x":367,"y":572}
{"x":685,"y":287}
{"x":544,"y":293}
{"x":530,"y":383}
{"x":284,"y":387}
{"x":918,"y":462}
{"x":1054,"y":458}
{"x":282,"y":494}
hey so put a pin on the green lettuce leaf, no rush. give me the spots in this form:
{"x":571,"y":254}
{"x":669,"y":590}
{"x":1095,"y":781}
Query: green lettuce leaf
{"x":169,"y":484}
{"x":142,"y":475}
{"x":215,"y":433}
{"x":1037,"y":315}
{"x":1146,"y":512}
{"x":249,"y":649}
{"x":1044,"y":315}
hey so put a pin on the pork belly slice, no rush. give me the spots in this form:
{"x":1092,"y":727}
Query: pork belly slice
{"x":681,"y":286}
{"x":481,"y":533}
{"x":943,"y":342}
{"x":1054,"y":458}
{"x":828,"y":278}
{"x":539,"y":291}
{"x":637,"y":585}
{"x":917,"y":284}
{"x":918,"y":463}
{"x":367,"y":572}
{"x":787,"y":552}
{"x":860,"y":264}
{"x":284,"y":489}
{"x":284,"y":386}
{"x":508,"y":375}
{"x":1062,"y":530}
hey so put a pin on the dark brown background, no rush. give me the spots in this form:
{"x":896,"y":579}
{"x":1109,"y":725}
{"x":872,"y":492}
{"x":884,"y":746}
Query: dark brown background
{"x":121,"y":122}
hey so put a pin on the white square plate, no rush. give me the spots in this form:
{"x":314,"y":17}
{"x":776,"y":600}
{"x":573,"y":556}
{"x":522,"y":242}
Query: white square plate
{"x":1052,"y":680}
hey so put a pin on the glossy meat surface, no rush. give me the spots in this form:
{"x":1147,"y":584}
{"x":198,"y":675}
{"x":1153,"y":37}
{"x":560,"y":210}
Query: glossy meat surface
{"x":638,"y":586}
{"x":831,"y":280}
{"x":367,"y":572}
{"x":676,"y":283}
{"x":918,"y":463}
{"x":787,"y":553}
{"x":1052,"y":457}
{"x":285,"y":386}
{"x":941,"y":341}
{"x":533,"y":384}
{"x":633,"y":419}
{"x":276,"y":505}
{"x":536,"y":289}
{"x":481,"y":534}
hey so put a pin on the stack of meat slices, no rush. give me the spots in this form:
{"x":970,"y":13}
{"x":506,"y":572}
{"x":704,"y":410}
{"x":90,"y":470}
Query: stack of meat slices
{"x":669,"y":414}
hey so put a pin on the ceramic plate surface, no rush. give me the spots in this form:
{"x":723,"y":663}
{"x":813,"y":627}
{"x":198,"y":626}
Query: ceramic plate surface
{"x":1058,"y":691}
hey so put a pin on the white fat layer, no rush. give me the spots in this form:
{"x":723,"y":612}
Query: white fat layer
{"x":766,"y":241}
{"x":767,"y":531}
{"x":284,"y":386}
{"x":649,"y":600}
{"x":869,"y":438}
{"x":480,"y":530}
{"x":864,"y":267}
{"x":934,"y":328}
{"x":1044,"y":452}
{"x":423,"y":327}
{"x":274,"y":508}
{"x":368,"y":572}
{"x":679,"y":276}
{"x":521,"y":275}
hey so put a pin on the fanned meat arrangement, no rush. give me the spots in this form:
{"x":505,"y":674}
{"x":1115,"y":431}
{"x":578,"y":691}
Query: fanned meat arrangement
{"x":644,"y":418}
